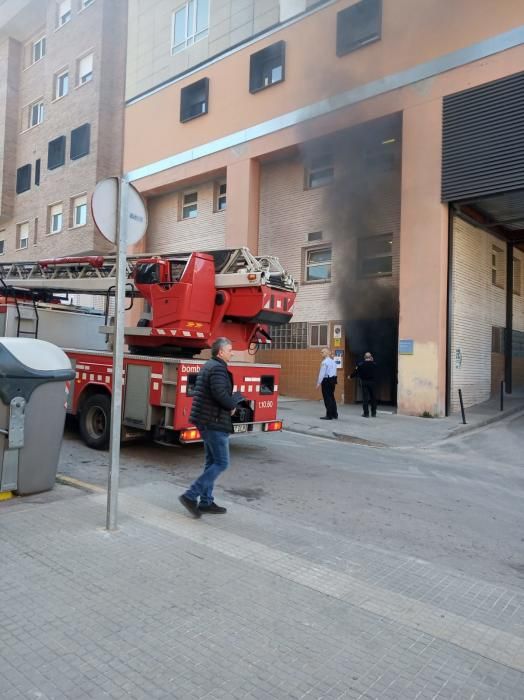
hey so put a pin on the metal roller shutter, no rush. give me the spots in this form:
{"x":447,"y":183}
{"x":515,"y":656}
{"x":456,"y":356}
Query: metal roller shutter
{"x":483,"y":140}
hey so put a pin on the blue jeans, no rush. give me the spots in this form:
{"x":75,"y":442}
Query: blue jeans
{"x":216,"y":445}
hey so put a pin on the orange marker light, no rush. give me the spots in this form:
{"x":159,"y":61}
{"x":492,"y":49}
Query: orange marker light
{"x":190,"y":435}
{"x":272,"y":426}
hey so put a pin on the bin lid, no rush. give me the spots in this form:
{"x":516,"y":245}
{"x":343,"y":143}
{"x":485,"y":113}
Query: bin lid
{"x":36,"y":354}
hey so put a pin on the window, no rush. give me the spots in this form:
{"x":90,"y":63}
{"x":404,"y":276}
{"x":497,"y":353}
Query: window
{"x":497,"y":267}
{"x":318,"y":335}
{"x":190,"y":24}
{"x":267,"y":67}
{"x":194,"y":100}
{"x":80,"y":211}
{"x":37,"y":172}
{"x":2,"y":243}
{"x":23,"y":179}
{"x":317,"y":264}
{"x":358,"y":25}
{"x":315,"y":236}
{"x":85,"y":69}
{"x":56,"y":153}
{"x":86,"y":3}
{"x":517,"y":276}
{"x":35,"y":114}
{"x":35,"y":232}
{"x":63,"y":13}
{"x":220,"y":196}
{"x":80,"y":141}
{"x":55,"y":218}
{"x":498,"y":339}
{"x":290,"y":336}
{"x":38,"y":49}
{"x":375,"y":256}
{"x":189,"y":205}
{"x":22,"y":235}
{"x":320,"y":172}
{"x":61,"y":84}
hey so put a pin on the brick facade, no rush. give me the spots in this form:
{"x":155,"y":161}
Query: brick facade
{"x":98,"y":29}
{"x":168,"y":232}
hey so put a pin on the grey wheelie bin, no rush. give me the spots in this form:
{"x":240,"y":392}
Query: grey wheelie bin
{"x":33,"y":376}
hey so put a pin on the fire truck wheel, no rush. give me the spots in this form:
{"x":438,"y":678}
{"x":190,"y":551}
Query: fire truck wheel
{"x":95,"y":421}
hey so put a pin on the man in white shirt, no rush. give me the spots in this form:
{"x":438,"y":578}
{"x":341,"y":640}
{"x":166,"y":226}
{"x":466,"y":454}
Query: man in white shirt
{"x":327,"y":380}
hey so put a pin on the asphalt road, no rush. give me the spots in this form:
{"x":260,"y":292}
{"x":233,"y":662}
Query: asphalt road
{"x":460,"y":504}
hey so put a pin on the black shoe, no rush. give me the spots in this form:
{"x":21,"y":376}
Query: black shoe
{"x":212,"y":508}
{"x":335,"y":417}
{"x":373,"y":415}
{"x":191,"y":506}
{"x":365,"y":415}
{"x":325,"y":418}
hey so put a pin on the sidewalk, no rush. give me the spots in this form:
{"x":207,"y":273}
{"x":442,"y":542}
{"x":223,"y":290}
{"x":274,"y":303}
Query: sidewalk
{"x":248,"y":607}
{"x":389,"y":429}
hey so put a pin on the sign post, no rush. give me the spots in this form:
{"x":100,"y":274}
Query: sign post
{"x":120,"y":214}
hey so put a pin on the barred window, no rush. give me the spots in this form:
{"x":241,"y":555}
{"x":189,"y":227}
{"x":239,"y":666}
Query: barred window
{"x":292,"y":336}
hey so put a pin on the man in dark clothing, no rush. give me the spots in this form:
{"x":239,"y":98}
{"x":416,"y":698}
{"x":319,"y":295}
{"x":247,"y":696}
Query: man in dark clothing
{"x":213,"y":405}
{"x":366,"y":371}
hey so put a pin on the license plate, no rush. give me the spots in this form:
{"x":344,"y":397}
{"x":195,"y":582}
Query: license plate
{"x":240,"y":428}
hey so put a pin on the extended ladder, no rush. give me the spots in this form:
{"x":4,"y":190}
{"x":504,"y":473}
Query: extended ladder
{"x":96,"y":274}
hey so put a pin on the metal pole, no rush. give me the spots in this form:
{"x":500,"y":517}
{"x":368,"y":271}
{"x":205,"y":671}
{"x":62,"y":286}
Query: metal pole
{"x":462,"y":407}
{"x":502,"y":395}
{"x":508,"y":336}
{"x":118,"y":357}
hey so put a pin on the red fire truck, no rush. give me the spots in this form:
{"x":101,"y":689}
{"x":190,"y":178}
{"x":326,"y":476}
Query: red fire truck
{"x":187,"y":301}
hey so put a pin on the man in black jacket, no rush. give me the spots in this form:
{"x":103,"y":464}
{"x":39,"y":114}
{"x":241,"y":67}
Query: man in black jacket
{"x":366,"y":371}
{"x":213,"y":405}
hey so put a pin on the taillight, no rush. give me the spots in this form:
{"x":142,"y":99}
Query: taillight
{"x":190,"y":435}
{"x":273,"y":425}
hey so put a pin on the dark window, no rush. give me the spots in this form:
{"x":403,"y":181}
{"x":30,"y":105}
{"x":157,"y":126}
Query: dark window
{"x":80,"y":141}
{"x":315,"y":236}
{"x":358,"y":25}
{"x":267,"y":384}
{"x":375,"y":256}
{"x":498,"y":268}
{"x":191,"y":384}
{"x":56,"y":153}
{"x":37,"y":171}
{"x":267,"y":67}
{"x":498,"y":339}
{"x":319,"y":172}
{"x":23,"y":179}
{"x":194,"y":100}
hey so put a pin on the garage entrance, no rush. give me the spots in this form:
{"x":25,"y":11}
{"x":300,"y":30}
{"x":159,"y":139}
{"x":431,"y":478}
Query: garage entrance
{"x":483,"y":182}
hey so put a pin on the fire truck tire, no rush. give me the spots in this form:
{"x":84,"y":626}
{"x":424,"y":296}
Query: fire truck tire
{"x":94,"y":421}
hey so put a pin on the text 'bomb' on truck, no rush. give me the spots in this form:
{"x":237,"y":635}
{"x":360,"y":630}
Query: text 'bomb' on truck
{"x":189,"y":300}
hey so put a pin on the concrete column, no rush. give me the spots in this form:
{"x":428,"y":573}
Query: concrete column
{"x":243,"y":198}
{"x":423,"y":263}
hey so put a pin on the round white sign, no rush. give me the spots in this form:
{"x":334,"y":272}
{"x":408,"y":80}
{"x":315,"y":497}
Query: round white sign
{"x":104,"y":207}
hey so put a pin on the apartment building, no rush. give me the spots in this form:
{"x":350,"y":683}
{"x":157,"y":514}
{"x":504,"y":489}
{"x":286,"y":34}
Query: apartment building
{"x":62,"y":68}
{"x":375,"y":147}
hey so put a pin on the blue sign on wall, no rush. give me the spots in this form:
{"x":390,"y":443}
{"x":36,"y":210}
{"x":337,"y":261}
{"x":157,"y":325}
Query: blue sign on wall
{"x":405,"y":347}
